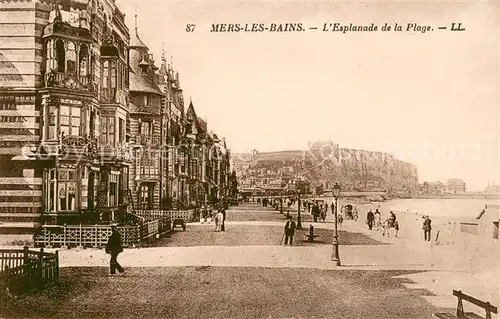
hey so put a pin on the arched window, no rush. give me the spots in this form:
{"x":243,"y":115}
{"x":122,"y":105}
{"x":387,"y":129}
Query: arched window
{"x":71,"y":57}
{"x":60,"y":56}
{"x":83,"y":60}
{"x":49,"y":62}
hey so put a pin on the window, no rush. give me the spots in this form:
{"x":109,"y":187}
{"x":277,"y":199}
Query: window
{"x":50,"y":56}
{"x":113,"y":190}
{"x":70,"y":120}
{"x":121,"y":131}
{"x":71,"y":58}
{"x":51,"y":189}
{"x":105,"y":74}
{"x":67,"y":188}
{"x":146,"y":128}
{"x":83,"y":60}
{"x":147,"y":99}
{"x":109,"y":74}
{"x":52,"y":122}
{"x":60,"y":56}
{"x":108,"y":131}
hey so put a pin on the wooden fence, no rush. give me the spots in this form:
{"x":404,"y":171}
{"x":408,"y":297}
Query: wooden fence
{"x":186,"y":215}
{"x":97,"y":235}
{"x":24,"y":269}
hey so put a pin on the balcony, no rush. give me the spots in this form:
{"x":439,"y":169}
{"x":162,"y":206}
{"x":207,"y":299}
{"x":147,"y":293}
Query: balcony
{"x":70,"y":81}
{"x":120,"y":152}
{"x":74,"y":144}
{"x":109,"y":46}
{"x":148,"y":140}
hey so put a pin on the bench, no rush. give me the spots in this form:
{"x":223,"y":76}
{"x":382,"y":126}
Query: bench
{"x":460,"y":308}
{"x":179,"y":222}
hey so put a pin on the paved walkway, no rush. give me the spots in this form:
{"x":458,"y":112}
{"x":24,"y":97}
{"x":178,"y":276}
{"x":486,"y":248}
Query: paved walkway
{"x":438,"y":269}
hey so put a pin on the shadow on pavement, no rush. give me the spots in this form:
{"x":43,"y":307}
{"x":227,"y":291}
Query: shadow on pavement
{"x":211,"y":292}
{"x":244,"y":235}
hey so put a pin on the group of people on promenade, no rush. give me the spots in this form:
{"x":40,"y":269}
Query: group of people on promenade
{"x":386,"y":227}
{"x":391,"y":224}
{"x":219,"y":218}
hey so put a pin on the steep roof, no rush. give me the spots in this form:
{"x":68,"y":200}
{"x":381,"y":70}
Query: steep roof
{"x":135,"y":41}
{"x":141,"y":83}
{"x":203,"y":124}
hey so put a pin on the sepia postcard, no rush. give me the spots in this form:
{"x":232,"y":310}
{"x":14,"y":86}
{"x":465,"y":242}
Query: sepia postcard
{"x":249,"y":159}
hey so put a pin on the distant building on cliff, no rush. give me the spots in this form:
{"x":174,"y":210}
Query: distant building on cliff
{"x":492,"y":188}
{"x":321,"y":149}
{"x":455,"y":186}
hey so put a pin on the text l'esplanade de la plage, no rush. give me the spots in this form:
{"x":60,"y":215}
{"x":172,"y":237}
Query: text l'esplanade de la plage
{"x":330,"y":27}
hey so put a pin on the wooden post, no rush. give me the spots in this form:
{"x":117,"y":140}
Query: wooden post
{"x":25,"y":255}
{"x":64,"y":237}
{"x":50,"y":239}
{"x":57,"y":266}
{"x":488,"y":312}
{"x":26,"y":269}
{"x":81,"y":237}
{"x":40,"y":268}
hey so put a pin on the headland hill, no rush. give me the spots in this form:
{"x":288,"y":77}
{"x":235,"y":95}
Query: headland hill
{"x":363,"y":174}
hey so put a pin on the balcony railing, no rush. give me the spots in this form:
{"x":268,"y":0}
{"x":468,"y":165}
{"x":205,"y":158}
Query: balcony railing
{"x":149,"y":140}
{"x":69,"y":81}
{"x":75,"y":144}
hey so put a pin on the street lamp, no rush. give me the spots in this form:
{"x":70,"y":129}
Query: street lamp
{"x":281,"y":201}
{"x":299,"y":219}
{"x":335,"y":253}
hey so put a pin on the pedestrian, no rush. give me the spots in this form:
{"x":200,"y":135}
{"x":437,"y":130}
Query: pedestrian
{"x":369,"y":219}
{"x":114,"y":248}
{"x":426,"y":227}
{"x":323,"y":213}
{"x":218,"y":218}
{"x":340,"y":220}
{"x":289,"y":230}
{"x":315,"y":212}
{"x":223,"y":211}
{"x":204,"y":212}
{"x":355,"y":214}
{"x":377,"y":220}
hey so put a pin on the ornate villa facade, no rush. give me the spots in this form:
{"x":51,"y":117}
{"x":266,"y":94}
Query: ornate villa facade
{"x":89,"y":125}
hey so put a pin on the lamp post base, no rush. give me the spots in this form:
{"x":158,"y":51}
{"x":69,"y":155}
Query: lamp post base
{"x":336,"y":261}
{"x":335,"y":253}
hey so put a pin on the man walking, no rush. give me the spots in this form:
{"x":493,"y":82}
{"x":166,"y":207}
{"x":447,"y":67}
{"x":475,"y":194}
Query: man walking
{"x":427,"y":228}
{"x":114,"y":248}
{"x":289,"y":230}
{"x":223,"y":211}
{"x":315,"y":212}
{"x":369,"y":219}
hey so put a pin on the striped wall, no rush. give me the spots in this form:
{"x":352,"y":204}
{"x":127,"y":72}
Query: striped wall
{"x":21,"y":27}
{"x":20,"y":199}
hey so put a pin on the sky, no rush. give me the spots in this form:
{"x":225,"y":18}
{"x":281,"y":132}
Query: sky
{"x":428,"y":98}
